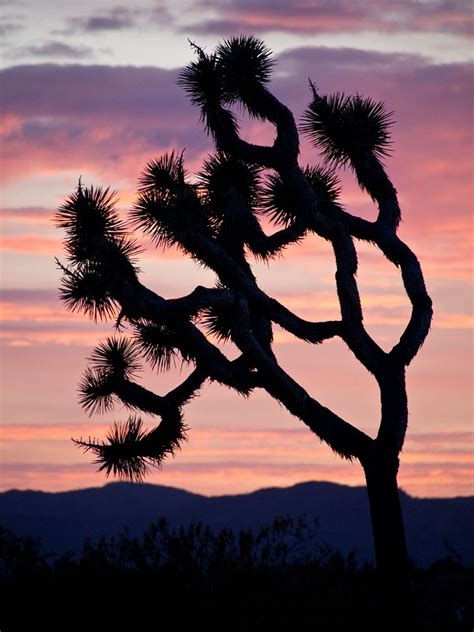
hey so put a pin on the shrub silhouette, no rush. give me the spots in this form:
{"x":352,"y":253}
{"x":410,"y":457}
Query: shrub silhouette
{"x":277,"y":578}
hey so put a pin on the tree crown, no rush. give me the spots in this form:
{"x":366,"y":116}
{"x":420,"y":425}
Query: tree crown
{"x":215,"y":219}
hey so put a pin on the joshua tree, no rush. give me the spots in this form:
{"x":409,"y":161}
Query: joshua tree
{"x":214,"y":219}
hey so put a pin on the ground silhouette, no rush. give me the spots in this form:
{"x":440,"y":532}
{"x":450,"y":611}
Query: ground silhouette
{"x":63,"y":519}
{"x":276,"y":578}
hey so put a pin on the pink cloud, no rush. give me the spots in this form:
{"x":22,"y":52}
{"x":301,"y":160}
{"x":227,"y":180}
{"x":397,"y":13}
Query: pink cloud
{"x":128,"y":115}
{"x":48,"y":102}
{"x":95,"y":124}
{"x":223,"y":460}
{"x":32,"y":244}
{"x":30,"y":214}
{"x":89,"y":111}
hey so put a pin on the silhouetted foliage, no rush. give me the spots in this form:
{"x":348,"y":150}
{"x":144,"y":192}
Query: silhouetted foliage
{"x":277,"y":578}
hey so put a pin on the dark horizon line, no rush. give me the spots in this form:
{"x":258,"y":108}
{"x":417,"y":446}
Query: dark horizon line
{"x":202,"y":495}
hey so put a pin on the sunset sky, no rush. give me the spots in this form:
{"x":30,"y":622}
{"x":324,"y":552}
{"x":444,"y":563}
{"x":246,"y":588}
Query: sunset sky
{"x":89,"y":89}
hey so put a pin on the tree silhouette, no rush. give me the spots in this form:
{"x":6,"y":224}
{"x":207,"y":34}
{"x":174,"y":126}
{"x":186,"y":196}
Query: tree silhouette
{"x":214,"y":219}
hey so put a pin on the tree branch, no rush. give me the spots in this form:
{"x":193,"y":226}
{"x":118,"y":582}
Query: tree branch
{"x":422,"y":310}
{"x":341,"y":436}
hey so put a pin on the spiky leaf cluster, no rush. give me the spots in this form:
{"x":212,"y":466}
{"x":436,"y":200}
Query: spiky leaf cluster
{"x":87,"y":213}
{"x":129,"y":451}
{"x":225,"y":178}
{"x":117,"y":356}
{"x":277,"y":200}
{"x":246,"y":64}
{"x":87,"y":289}
{"x":120,"y":454}
{"x":165,"y":173}
{"x":168,"y":208}
{"x":99,"y":251}
{"x":218,"y":321}
{"x":96,"y":391}
{"x":235,"y":72}
{"x":324,"y":182}
{"x":89,"y":216}
{"x":202,"y":81}
{"x":348,"y":128}
{"x":160,"y":345}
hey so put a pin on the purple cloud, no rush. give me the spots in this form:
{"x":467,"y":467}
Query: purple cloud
{"x":116,"y":19}
{"x":7,"y":27}
{"x":94,"y":112}
{"x":55,"y":49}
{"x":97,"y":111}
{"x":29,"y":296}
{"x":93,"y":91}
{"x":331,"y":16}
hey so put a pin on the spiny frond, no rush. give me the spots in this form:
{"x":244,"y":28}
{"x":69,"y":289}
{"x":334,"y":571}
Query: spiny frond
{"x":87,"y":288}
{"x":169,"y":217}
{"x":202,"y":81}
{"x":95,"y":391}
{"x":224,"y":178}
{"x":246,"y":64}
{"x":325,"y":125}
{"x":218,"y":321}
{"x":87,"y":215}
{"x":233,"y":72}
{"x":91,"y":209}
{"x":168,"y":208}
{"x":348,"y":128}
{"x":122,"y":251}
{"x":120,"y":453}
{"x":324,"y":182}
{"x":159,"y":344}
{"x":117,"y":356}
{"x":164,"y":173}
{"x":370,"y":122}
{"x":277,"y":201}
{"x":129,"y":451}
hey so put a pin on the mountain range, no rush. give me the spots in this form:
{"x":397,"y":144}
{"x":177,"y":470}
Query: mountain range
{"x":436,"y":527}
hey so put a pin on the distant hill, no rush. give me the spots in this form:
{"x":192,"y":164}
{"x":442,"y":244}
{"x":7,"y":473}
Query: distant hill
{"x":63,"y":520}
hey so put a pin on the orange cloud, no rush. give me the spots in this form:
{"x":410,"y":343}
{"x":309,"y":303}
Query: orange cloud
{"x":31,"y":244}
{"x":14,"y":312}
{"x":26,"y":215}
{"x":454,"y":321}
{"x":224,"y":460}
{"x":10,"y":124}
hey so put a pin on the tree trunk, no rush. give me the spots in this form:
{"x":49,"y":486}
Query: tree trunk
{"x":395,"y":593}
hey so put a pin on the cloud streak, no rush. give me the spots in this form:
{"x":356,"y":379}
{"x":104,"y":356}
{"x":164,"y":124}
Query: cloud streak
{"x":54,"y":49}
{"x":120,"y":18}
{"x":115,"y":19}
{"x":105,"y":123}
{"x":337,"y":16}
{"x":244,"y":458}
{"x":28,"y":214}
{"x":95,"y":111}
{"x":37,"y":316}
